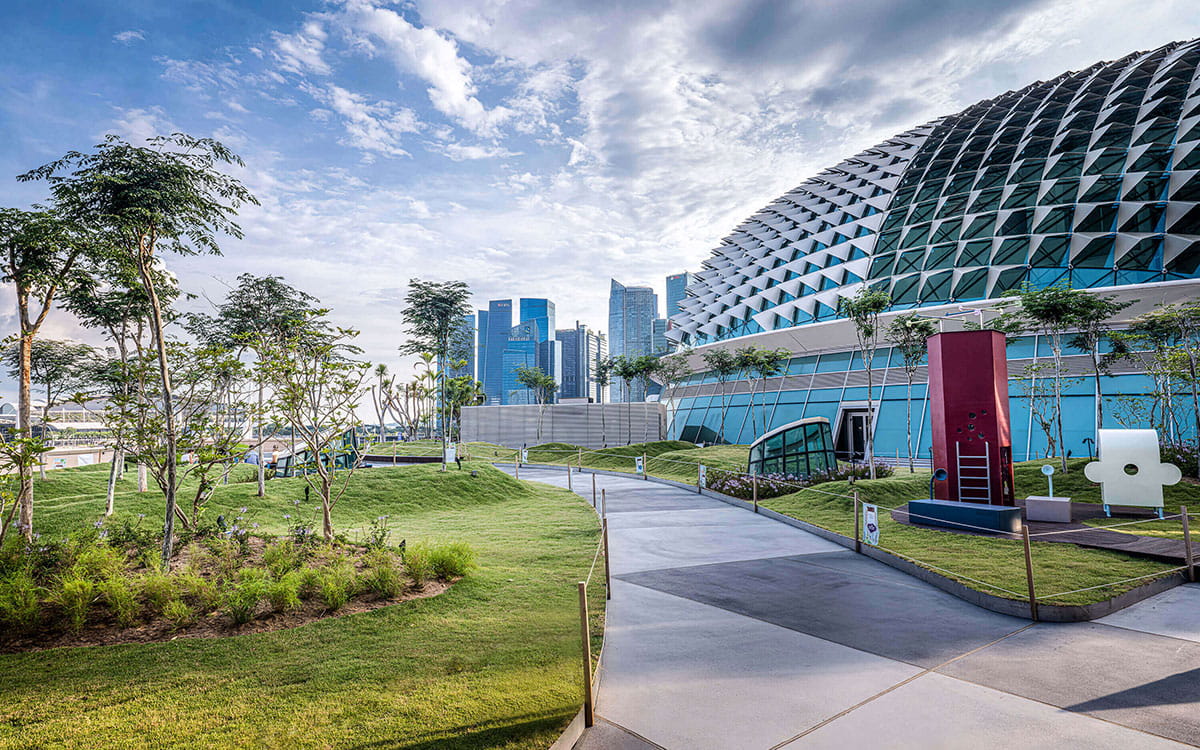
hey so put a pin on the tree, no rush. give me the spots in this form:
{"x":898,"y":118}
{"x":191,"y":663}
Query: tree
{"x":315,"y":387}
{"x":723,"y":365}
{"x":40,"y":251}
{"x":109,"y":297}
{"x":168,"y":194}
{"x":625,"y":368}
{"x":543,"y":386}
{"x":603,"y":374}
{"x":642,"y":369}
{"x":1052,"y":312}
{"x":259,"y":312}
{"x":432,"y":313}
{"x":19,"y":454}
{"x":380,"y":392}
{"x":1093,"y":314}
{"x":1177,"y":329}
{"x":864,"y":309}
{"x":463,"y":391}
{"x":760,"y":364}
{"x":671,"y":371}
{"x":909,"y":333}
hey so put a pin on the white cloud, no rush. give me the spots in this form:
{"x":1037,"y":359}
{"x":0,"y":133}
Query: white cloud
{"x":460,"y":152}
{"x":130,"y":36}
{"x":139,"y":125}
{"x":434,"y":58}
{"x":373,"y":127}
{"x":302,"y":51}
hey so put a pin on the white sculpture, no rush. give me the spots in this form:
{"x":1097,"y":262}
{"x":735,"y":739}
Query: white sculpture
{"x":1129,"y":470}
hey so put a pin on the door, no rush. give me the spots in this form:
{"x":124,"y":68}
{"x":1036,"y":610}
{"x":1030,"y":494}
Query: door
{"x":851,"y":441}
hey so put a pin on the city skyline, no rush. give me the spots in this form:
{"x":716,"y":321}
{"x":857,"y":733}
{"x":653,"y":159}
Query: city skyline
{"x":377,"y":136}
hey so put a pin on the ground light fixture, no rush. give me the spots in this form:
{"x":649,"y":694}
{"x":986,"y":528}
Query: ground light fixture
{"x":938,"y":476}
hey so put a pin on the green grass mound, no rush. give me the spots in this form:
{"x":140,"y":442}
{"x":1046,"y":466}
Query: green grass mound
{"x":492,"y":662}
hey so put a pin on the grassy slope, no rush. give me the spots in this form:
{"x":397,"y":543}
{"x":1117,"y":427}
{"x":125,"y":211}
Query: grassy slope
{"x":491,"y":663}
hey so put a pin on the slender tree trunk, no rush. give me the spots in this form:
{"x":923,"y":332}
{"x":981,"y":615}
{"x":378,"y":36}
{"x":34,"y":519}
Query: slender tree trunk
{"x":262,"y":471}
{"x":1058,"y":420}
{"x":1095,"y":352}
{"x":113,"y":475}
{"x":868,"y":358}
{"x":24,"y":412}
{"x":326,"y":506}
{"x":168,"y":407}
{"x":908,"y":423}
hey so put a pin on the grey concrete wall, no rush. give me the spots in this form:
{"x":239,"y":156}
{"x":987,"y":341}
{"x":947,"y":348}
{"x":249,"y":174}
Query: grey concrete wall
{"x":589,"y":425}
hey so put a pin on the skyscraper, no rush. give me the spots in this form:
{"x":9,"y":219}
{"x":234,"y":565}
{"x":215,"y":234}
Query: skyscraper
{"x":493,"y":340}
{"x":582,"y":348}
{"x":462,"y":348}
{"x":677,"y":284}
{"x":658,"y":341}
{"x":520,"y":350}
{"x":631,"y":314}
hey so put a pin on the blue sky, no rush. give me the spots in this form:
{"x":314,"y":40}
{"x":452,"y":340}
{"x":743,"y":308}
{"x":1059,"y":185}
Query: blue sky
{"x":529,"y":148}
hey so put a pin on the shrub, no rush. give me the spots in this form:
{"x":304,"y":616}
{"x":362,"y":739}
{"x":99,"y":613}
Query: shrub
{"x":337,"y":585}
{"x":1184,"y":455}
{"x":75,"y":596}
{"x":418,"y":563}
{"x":225,"y":554}
{"x":736,"y":484}
{"x":158,"y":589}
{"x":97,"y":563}
{"x":310,"y":582}
{"x":179,"y":614}
{"x":131,"y":536}
{"x":121,"y":598}
{"x":452,"y":560}
{"x":20,"y":606}
{"x":383,"y":574}
{"x":281,"y":557}
{"x":377,"y":535}
{"x":198,"y":590}
{"x":240,"y":598}
{"x":284,"y":592}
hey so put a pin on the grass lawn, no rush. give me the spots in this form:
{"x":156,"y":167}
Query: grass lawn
{"x":493,"y":662}
{"x":992,"y":562}
{"x":431,"y":448}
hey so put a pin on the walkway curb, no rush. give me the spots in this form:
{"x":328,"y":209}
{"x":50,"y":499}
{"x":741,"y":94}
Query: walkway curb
{"x":1013,"y":607}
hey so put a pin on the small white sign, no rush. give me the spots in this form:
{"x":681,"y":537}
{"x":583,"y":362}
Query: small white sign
{"x":871,"y":524}
{"x":638,"y":467}
{"x":451,"y":453}
{"x":524,"y":455}
{"x":703,"y":476}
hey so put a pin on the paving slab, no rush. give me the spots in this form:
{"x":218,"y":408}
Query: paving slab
{"x":842,"y":597}
{"x":690,"y":676}
{"x":935,"y":712}
{"x":1174,"y":613}
{"x":1149,"y":682}
{"x":607,"y":736}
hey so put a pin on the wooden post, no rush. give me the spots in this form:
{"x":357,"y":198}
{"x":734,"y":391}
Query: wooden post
{"x":580,"y":460}
{"x":586,"y":642}
{"x":569,"y":487}
{"x":645,"y":468}
{"x":593,"y":489}
{"x":517,"y":464}
{"x":1187,"y":544}
{"x":607,"y":575}
{"x":1033,"y":607}
{"x":603,"y":504}
{"x":754,"y":486}
{"x":857,"y":525}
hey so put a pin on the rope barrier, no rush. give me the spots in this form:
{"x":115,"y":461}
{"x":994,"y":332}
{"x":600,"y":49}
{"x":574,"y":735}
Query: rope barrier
{"x":1107,"y":526}
{"x":1159,"y":574}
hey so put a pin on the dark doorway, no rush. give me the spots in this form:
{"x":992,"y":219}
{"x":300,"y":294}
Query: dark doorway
{"x":851,"y":441}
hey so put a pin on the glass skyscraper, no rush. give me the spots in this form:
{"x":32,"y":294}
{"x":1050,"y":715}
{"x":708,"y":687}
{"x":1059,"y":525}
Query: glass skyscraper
{"x":582,"y":348}
{"x":503,"y":347}
{"x":495,"y":324}
{"x":462,"y":348}
{"x":677,"y":284}
{"x":631,"y":314}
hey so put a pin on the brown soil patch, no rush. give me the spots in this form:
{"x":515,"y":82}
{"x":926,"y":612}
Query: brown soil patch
{"x":213,"y":625}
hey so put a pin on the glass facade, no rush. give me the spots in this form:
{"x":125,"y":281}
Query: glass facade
{"x":800,"y":449}
{"x":1090,"y":179}
{"x":632,"y":311}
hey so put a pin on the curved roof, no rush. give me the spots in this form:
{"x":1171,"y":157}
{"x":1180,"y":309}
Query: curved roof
{"x":1092,"y":178}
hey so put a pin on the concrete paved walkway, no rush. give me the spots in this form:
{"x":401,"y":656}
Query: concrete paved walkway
{"x":729,"y":630}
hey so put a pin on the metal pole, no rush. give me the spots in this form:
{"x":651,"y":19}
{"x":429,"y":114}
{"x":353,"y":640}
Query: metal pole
{"x":593,"y":489}
{"x":586,"y":642}
{"x":569,"y":487}
{"x":754,"y":485}
{"x":857,"y":526}
{"x":580,"y":461}
{"x":607,"y":575}
{"x":698,"y":479}
{"x":1187,"y":544}
{"x":1033,"y":606}
{"x":518,"y":465}
{"x":645,"y":468}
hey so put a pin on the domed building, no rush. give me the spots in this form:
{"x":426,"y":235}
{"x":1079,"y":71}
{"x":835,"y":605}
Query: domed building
{"x":1089,"y":180}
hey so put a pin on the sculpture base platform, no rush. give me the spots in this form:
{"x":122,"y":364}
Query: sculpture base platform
{"x":965,"y":516}
{"x":1049,"y":509}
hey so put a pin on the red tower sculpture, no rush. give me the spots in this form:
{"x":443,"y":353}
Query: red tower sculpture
{"x":968,"y":397}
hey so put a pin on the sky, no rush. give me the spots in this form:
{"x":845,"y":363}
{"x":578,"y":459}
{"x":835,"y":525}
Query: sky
{"x":530,"y":148}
